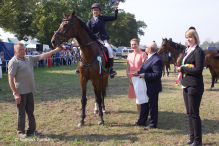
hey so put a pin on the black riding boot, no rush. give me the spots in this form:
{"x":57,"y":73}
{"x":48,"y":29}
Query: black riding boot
{"x":111,"y":71}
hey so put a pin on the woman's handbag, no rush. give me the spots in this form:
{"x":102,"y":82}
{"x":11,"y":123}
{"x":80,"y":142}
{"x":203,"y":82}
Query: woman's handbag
{"x":140,"y":90}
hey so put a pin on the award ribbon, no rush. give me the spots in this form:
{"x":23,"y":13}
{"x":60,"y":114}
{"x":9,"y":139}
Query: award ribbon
{"x":99,"y":59}
{"x":178,"y":82}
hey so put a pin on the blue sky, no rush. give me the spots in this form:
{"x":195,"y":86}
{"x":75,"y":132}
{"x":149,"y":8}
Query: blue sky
{"x":171,"y":19}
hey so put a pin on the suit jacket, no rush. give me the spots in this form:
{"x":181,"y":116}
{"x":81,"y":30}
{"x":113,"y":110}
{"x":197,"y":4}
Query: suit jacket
{"x":194,"y":75}
{"x":153,"y":73}
{"x":98,"y":27}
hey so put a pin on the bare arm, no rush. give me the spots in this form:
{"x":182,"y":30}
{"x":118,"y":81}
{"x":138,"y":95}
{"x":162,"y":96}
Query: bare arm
{"x":17,"y":96}
{"x":128,"y":71}
{"x":47,"y":54}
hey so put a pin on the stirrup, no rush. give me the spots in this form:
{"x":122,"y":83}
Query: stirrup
{"x":77,"y":71}
{"x":112,"y":72}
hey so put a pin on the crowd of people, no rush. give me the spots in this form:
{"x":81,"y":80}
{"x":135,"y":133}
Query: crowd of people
{"x":63,"y":57}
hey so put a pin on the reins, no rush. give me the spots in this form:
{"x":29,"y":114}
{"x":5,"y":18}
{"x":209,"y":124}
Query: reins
{"x":63,"y":41}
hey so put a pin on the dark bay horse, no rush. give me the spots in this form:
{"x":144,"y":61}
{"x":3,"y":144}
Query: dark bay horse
{"x":89,"y":67}
{"x":178,"y":50}
{"x":166,"y":62}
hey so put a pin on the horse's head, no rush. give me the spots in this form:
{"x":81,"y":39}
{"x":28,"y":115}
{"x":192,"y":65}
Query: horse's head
{"x":164,"y":46}
{"x":65,"y":30}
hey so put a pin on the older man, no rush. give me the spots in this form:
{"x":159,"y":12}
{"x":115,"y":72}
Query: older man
{"x":21,"y":81}
{"x":151,"y":71}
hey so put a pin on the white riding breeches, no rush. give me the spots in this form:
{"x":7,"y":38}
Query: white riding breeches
{"x":106,"y":44}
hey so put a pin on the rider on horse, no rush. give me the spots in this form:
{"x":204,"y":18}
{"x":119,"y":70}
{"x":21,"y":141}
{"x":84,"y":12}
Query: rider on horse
{"x":97,"y":25}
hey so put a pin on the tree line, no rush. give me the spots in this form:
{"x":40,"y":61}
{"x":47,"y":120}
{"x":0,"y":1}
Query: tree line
{"x":40,"y":18}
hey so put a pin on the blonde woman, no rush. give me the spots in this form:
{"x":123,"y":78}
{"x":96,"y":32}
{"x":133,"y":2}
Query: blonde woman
{"x":134,"y":62}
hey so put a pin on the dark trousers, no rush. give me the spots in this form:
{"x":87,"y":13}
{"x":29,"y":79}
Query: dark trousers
{"x":192,"y":97}
{"x":26,"y":106}
{"x":57,"y":61}
{"x":151,"y":106}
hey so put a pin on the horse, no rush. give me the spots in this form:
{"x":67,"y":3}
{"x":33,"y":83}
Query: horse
{"x":178,"y":51}
{"x":89,"y":66}
{"x":166,"y":61}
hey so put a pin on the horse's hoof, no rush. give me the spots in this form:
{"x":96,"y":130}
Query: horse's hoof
{"x":80,"y":124}
{"x":100,"y":123}
{"x":210,"y":88}
{"x":96,"y":111}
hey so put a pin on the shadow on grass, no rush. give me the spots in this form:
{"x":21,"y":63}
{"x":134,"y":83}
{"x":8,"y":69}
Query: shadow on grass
{"x":61,"y":82}
{"x":179,"y":124}
{"x":95,"y":137}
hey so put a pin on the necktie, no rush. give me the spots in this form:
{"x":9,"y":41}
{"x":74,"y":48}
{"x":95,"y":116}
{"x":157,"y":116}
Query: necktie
{"x":146,"y":59}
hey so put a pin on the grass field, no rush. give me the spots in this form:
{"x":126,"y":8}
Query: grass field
{"x":58,"y":109}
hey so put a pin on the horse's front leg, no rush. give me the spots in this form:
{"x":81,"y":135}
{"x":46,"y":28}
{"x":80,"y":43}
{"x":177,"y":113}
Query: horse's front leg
{"x":83,"y":84}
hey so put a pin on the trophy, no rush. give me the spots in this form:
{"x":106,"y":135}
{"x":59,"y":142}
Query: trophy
{"x":113,"y":3}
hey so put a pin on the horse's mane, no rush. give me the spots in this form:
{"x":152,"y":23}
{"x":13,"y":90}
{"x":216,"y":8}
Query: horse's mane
{"x":83,"y":25}
{"x":176,"y":45}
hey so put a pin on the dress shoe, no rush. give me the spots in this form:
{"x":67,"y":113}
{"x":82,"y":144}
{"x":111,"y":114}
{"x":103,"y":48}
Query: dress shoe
{"x":136,"y":124}
{"x":188,"y":142}
{"x":148,"y":128}
{"x":35,"y":133}
{"x":196,"y":144}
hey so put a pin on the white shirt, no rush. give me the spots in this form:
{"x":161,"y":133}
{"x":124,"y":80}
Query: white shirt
{"x":190,"y":50}
{"x":95,"y":18}
{"x":149,"y":56}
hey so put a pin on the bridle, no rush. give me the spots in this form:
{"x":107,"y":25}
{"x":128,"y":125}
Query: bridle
{"x":63,"y":40}
{"x":163,"y":48}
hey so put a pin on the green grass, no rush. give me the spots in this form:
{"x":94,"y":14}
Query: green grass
{"x":58,"y":109}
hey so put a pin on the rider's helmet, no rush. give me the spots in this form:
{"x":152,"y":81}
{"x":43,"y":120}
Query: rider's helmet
{"x":96,"y":5}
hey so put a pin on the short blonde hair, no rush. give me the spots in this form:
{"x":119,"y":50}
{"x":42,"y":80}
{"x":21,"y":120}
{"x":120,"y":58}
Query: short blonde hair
{"x":19,"y":44}
{"x":136,"y":40}
{"x":193,"y":33}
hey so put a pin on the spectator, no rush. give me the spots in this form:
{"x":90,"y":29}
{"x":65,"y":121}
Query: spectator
{"x":68,"y":57}
{"x":1,"y":60}
{"x":28,"y":52}
{"x":35,"y":52}
{"x":57,"y":58}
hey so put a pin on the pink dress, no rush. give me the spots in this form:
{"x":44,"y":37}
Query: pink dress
{"x":135,"y":61}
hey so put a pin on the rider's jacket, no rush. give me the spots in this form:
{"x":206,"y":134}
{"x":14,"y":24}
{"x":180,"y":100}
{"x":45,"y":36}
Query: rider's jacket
{"x":98,"y":27}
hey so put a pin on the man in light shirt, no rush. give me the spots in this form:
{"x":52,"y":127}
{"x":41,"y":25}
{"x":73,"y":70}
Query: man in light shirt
{"x":21,"y":81}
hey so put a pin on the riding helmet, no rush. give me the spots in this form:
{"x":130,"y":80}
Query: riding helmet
{"x":96,"y":5}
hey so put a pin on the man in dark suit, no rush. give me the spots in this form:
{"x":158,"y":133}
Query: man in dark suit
{"x":151,"y":71}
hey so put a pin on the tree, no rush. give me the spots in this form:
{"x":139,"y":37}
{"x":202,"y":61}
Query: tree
{"x":16,"y":17}
{"x":47,"y":19}
{"x":124,"y":29}
{"x":40,"y":18}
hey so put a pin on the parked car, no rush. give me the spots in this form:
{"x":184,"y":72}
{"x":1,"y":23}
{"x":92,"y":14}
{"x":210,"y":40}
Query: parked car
{"x":126,"y":51}
{"x":119,"y":51}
